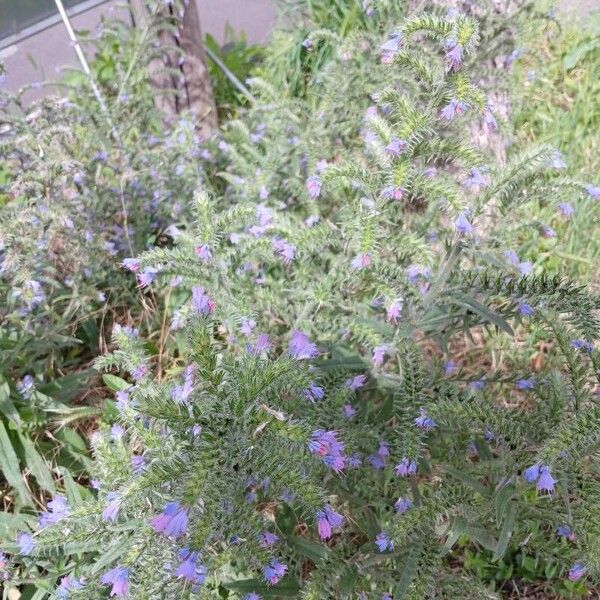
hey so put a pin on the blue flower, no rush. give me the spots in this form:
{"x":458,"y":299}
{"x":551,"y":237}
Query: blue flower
{"x":111,"y":512}
{"x":267,"y":539}
{"x":26,"y":544}
{"x":526,"y":384}
{"x":576,"y":572}
{"x":313,"y":393}
{"x":26,"y":386}
{"x":173,"y":521}
{"x":189,"y":569}
{"x":383,"y":542}
{"x":402,"y":505}
{"x":356,"y":382}
{"x":566,"y":532}
{"x":118,"y":577}
{"x":531,"y":474}
{"x":582,"y":345}
{"x":405,"y":467}
{"x":68,"y":584}
{"x":424,"y":421}
{"x":454,"y":57}
{"x":566,"y":209}
{"x":593,"y":191}
{"x":313,"y":185}
{"x":301,"y":347}
{"x":453,"y":109}
{"x":546,"y":482}
{"x":58,"y":511}
{"x":251,"y":596}
{"x":326,"y":445}
{"x":274,"y":571}
{"x":201,"y":303}
{"x":525,"y":310}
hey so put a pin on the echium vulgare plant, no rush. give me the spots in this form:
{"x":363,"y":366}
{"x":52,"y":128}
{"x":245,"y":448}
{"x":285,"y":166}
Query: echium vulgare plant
{"x":314,"y":438}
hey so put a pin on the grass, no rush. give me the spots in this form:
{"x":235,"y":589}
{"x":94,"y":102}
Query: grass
{"x":559,"y":89}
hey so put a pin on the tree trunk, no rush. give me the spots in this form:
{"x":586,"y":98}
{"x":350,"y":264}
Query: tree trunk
{"x":181,"y":78}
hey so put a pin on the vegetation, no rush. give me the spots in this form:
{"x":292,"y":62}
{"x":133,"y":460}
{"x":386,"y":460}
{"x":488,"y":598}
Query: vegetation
{"x":353,"y":365}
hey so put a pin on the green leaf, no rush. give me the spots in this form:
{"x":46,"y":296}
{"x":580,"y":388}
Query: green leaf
{"x":75,"y":492}
{"x":308,"y":548}
{"x":506,"y":532}
{"x":501,"y":500}
{"x":469,"y":481}
{"x":485,"y":313}
{"x":575,"y":56}
{"x":115,"y":383}
{"x":12,"y":523}
{"x":10,"y":466}
{"x":37,"y":465}
{"x":287,"y":587}
{"x":7,"y":407}
{"x":481,"y":535}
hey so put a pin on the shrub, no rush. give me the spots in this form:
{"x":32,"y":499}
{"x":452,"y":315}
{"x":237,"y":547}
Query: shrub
{"x":314,"y":435}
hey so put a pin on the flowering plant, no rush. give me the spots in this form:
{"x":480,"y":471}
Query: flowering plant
{"x":314,"y":435}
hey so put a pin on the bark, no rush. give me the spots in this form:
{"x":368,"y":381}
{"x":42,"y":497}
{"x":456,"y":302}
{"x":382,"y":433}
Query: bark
{"x":182,"y":81}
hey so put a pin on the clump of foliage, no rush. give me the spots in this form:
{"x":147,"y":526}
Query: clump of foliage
{"x":82,"y":187}
{"x":312,"y":436}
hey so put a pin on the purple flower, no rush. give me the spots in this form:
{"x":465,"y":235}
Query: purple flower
{"x":576,"y":572}
{"x":117,"y":432}
{"x":361,"y":261}
{"x":203,"y":252}
{"x":548,"y":232}
{"x":119,"y":579}
{"x":328,"y":520}
{"x":301,"y":347}
{"x":396,"y":147}
{"x":326,"y":445}
{"x":478,"y":384}
{"x":414,"y":273}
{"x":393,"y":192}
{"x":68,"y":584}
{"x":262,"y":344}
{"x":531,"y":474}
{"x":313,"y":185}
{"x":26,"y":386}
{"x":566,"y":209}
{"x":525,"y":310}
{"x":383,"y":542}
{"x":349,"y":411}
{"x":132,"y":264}
{"x":58,"y":510}
{"x":546,"y":482}
{"x":402,"y":505}
{"x":182,"y":393}
{"x":189,"y":569}
{"x":26,"y":544}
{"x":526,"y":384}
{"x":593,"y":191}
{"x":566,"y":532}
{"x":477,"y":179}
{"x":557,"y":161}
{"x":285,"y":250}
{"x":405,"y":467}
{"x":137,"y":373}
{"x":138,"y":464}
{"x":525,"y":268}
{"x":463,"y":225}
{"x":251,"y":596}
{"x":391,"y":48}
{"x":313,"y":393}
{"x":425,"y":422}
{"x":111,"y":512}
{"x":394,"y":310}
{"x":201,"y":303}
{"x":454,"y":57}
{"x":356,"y":382}
{"x":453,"y":109}
{"x":248,"y":326}
{"x":173,"y":521}
{"x":147,"y":276}
{"x":354,"y":461}
{"x":582,"y":345}
{"x":274,"y":571}
{"x":267,"y":539}
{"x":378,"y":355}
{"x":450,"y":368}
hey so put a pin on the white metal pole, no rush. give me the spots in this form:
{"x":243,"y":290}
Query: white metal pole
{"x":82,"y":59}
